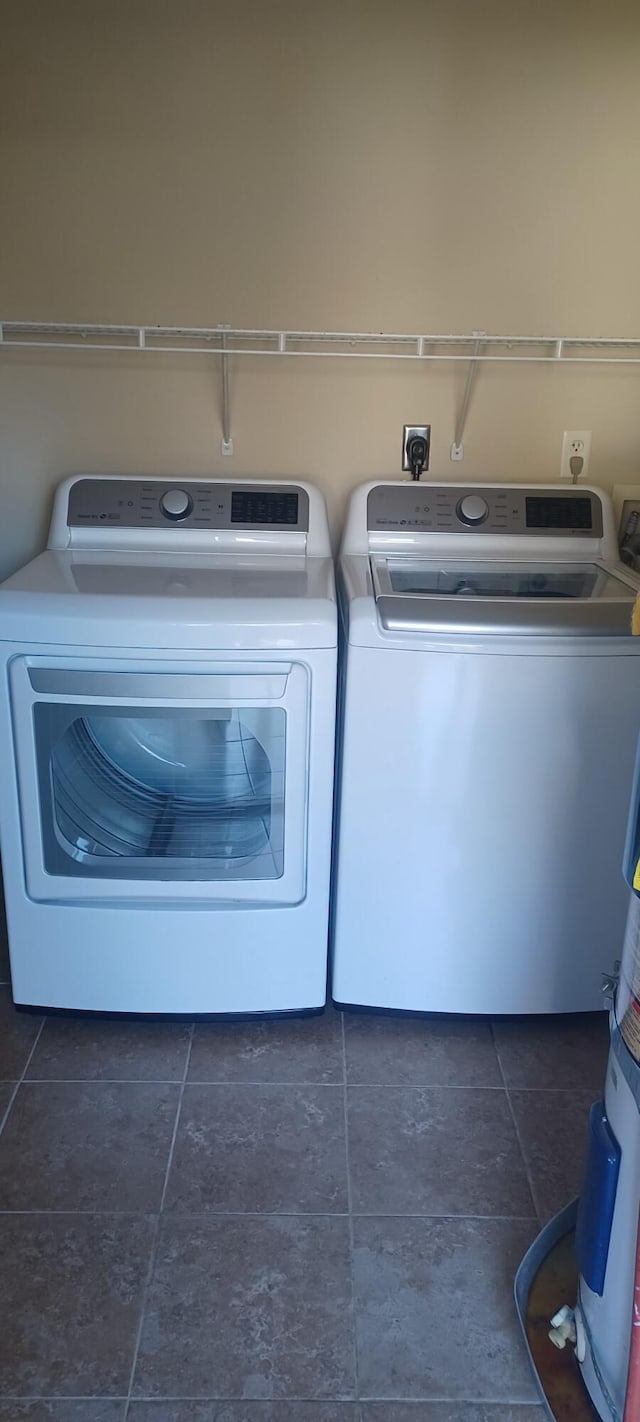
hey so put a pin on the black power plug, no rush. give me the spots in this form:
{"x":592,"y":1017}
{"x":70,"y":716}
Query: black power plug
{"x":417,"y":455}
{"x":416,"y":440}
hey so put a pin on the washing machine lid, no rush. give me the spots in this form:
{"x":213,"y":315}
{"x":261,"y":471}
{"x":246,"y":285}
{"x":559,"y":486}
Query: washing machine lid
{"x":510,"y":598}
{"x":187,"y":600}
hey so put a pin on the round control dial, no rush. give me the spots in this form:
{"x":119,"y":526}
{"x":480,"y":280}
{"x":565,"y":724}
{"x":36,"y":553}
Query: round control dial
{"x":473,"y":509}
{"x":176,"y":504}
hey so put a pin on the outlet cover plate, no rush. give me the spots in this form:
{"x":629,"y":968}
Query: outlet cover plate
{"x":408,"y":431}
{"x":578,"y":443}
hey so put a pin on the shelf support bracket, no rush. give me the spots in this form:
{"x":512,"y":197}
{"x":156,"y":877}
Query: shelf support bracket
{"x":227,"y":441}
{"x":457,"y":448}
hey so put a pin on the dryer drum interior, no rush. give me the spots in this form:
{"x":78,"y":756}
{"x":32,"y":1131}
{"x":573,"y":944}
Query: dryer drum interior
{"x":166,"y":789}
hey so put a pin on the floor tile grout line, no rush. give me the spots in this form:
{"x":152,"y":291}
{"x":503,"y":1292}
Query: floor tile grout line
{"x":443,"y":1398}
{"x":339,"y":1401}
{"x":356,"y":1365}
{"x":102,"y":1081}
{"x":336,"y":1085}
{"x":523,"y":1155}
{"x":66,"y":1397}
{"x":19,"y":1083}
{"x":156,"y":1237}
{"x":425,"y":1086}
{"x":203,"y":1215}
{"x":143,"y":1309}
{"x":199,"y":1214}
{"x":161,"y":1081}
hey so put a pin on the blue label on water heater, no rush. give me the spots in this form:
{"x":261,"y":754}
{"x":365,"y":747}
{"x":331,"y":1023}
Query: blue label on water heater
{"x":597,"y":1201}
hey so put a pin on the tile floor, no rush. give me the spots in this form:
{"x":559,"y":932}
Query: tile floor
{"x":313,"y":1221}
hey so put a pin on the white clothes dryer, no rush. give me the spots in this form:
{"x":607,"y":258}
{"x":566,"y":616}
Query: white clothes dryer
{"x":167,"y":695}
{"x":490,"y":705}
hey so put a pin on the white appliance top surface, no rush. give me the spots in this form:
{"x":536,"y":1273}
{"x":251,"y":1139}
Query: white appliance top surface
{"x":210,"y":577}
{"x":198,"y":600}
{"x":202,"y":564}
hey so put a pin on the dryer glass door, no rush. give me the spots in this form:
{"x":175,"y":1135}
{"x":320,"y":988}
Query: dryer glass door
{"x":170,"y":793}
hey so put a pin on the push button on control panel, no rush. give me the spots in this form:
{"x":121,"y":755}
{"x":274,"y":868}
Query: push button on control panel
{"x":473,"y":509}
{"x":176,"y":504}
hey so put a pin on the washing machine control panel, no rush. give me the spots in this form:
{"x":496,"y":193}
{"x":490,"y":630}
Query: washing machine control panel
{"x":154,"y":503}
{"x":447,"y":508}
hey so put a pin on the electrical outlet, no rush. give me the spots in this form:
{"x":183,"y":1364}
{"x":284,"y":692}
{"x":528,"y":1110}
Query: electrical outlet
{"x":576,"y":447}
{"x":410,"y":432}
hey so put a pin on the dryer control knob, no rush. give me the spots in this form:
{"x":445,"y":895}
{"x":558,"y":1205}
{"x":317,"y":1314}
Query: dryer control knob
{"x":176,"y":504}
{"x":473,"y":509}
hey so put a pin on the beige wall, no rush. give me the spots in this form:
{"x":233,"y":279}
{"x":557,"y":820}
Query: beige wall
{"x":407,"y":165}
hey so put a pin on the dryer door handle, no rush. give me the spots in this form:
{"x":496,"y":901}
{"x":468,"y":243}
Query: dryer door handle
{"x":164,"y":686}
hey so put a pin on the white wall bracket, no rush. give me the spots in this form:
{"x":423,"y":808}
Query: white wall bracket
{"x":226,"y":442}
{"x":457,"y":448}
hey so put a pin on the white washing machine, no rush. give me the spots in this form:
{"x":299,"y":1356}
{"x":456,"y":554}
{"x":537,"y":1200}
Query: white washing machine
{"x":490,"y":705}
{"x":167,"y":695}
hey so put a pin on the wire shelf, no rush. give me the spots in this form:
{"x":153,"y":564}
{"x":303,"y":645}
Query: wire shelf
{"x":373,"y":345}
{"x":474,"y":349}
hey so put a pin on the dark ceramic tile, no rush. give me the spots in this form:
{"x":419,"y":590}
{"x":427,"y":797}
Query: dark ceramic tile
{"x":86,"y":1146}
{"x":553,"y":1133}
{"x":434,"y":1151}
{"x":249,"y":1308}
{"x":243,"y":1412}
{"x":305,"y":1049}
{"x":451,"y":1412}
{"x":87,"y":1049}
{"x":18,"y":1032}
{"x":70,"y":1303}
{"x":268,"y":1149}
{"x":56,"y":1410}
{"x":419,"y":1052}
{"x":549,"y":1052}
{"x":434,"y":1308}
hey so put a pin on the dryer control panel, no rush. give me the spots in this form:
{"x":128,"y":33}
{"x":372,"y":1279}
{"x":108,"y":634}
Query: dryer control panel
{"x":445,"y":508}
{"x":196,"y":504}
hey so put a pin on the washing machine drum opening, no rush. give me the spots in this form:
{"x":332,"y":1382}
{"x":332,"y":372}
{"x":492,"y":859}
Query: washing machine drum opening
{"x":164,"y":790}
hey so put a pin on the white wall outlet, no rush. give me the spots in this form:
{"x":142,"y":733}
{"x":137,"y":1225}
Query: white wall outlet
{"x":576,"y":453}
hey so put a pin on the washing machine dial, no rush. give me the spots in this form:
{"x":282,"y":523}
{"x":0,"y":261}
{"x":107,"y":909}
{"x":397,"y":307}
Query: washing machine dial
{"x":473,"y":509}
{"x":176,"y":504}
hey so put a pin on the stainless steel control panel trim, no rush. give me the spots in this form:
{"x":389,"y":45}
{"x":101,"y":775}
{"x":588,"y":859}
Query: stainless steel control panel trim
{"x":137,"y":503}
{"x":433,"y":508}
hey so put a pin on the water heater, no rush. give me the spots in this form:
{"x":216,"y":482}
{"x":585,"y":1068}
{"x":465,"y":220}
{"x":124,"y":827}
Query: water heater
{"x":607,"y":1225}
